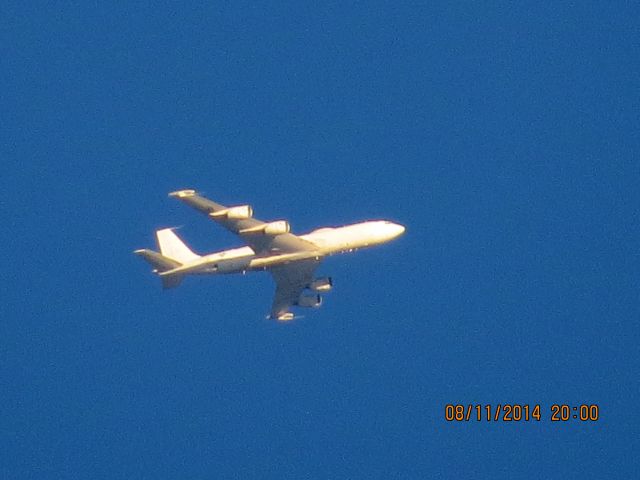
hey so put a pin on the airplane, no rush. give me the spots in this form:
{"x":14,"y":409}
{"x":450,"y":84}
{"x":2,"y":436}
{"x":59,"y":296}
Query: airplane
{"x":291,"y":259}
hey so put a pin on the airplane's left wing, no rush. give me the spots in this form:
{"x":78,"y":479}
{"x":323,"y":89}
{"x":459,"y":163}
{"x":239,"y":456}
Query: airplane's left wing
{"x":291,"y":280}
{"x":262,"y":237}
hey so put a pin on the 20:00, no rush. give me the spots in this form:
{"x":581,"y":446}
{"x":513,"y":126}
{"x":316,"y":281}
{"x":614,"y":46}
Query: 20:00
{"x":562,"y":413}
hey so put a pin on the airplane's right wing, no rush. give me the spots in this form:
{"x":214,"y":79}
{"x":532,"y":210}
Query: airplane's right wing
{"x":291,"y":280}
{"x":262,"y":237}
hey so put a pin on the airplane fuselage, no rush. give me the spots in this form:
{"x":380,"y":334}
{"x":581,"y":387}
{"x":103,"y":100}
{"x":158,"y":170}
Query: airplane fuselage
{"x":352,"y":237}
{"x":327,"y":240}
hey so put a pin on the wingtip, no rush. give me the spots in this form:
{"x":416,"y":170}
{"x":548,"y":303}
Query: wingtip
{"x":183,"y":193}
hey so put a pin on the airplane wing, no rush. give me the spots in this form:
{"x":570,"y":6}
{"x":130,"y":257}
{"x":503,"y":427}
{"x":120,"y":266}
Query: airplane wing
{"x":291,"y":279}
{"x":262,"y":237}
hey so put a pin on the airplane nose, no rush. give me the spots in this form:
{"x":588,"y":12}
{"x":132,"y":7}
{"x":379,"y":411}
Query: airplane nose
{"x":399,"y":230}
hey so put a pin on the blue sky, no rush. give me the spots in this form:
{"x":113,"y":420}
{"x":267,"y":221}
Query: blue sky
{"x":504,"y":135}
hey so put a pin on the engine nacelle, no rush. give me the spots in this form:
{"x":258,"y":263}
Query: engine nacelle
{"x":277,"y":228}
{"x":321,"y":284}
{"x":241,"y":212}
{"x":232,"y":265}
{"x":312,"y":301}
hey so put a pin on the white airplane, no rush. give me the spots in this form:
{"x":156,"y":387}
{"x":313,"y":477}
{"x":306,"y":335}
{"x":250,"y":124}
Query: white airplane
{"x":291,"y":259}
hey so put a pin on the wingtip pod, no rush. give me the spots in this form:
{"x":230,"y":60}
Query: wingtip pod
{"x":183,"y":193}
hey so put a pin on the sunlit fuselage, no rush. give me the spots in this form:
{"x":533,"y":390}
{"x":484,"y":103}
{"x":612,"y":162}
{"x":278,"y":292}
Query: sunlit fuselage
{"x":328,"y":240}
{"x":352,"y":237}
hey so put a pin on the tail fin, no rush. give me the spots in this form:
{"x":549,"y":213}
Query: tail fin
{"x":172,"y":247}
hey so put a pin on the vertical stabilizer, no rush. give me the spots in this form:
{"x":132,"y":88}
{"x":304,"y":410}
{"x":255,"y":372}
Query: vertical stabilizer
{"x":171,"y":246}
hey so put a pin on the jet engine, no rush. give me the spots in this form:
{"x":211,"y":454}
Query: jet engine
{"x":312,"y":301}
{"x":277,"y":228}
{"x":234,"y":213}
{"x":240,"y":213}
{"x":273,"y":228}
{"x":321,"y":284}
{"x":285,"y":317}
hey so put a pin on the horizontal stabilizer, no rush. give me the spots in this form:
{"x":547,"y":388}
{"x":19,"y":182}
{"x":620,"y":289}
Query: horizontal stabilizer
{"x":162,"y":264}
{"x":159,"y":262}
{"x":171,"y":281}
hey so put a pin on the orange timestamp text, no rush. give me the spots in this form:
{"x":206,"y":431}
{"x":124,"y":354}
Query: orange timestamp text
{"x":515,"y":412}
